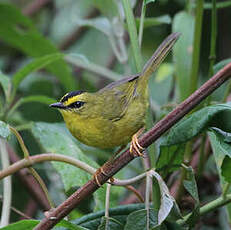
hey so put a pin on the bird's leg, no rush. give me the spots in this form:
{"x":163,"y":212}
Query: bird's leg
{"x":100,"y":170}
{"x":135,"y":145}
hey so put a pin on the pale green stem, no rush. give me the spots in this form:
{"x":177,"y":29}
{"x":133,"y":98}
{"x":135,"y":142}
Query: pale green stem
{"x":196,"y":46}
{"x":141,"y":27}
{"x":133,"y":34}
{"x":211,"y":206}
{"x":42,"y":184}
{"x":212,"y":56}
{"x":147,"y":196}
{"x":107,"y":200}
{"x":21,"y":142}
{"x":7,"y":186}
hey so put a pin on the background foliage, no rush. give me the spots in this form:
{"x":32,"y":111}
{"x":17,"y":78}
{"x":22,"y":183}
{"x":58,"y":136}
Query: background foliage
{"x":48,"y":48}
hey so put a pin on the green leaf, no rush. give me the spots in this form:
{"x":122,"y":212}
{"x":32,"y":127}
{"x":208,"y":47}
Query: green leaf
{"x":4,"y":130}
{"x":222,"y":153}
{"x":55,"y":138}
{"x":120,"y":213}
{"x":22,"y":225}
{"x":182,"y":52}
{"x":190,"y":184}
{"x":6,"y":85}
{"x":225,"y":168}
{"x":109,"y":224}
{"x":69,"y":225}
{"x":36,"y":64}
{"x":189,"y":127}
{"x":220,"y":65}
{"x":18,"y":31}
{"x":167,"y":202}
{"x":138,"y":220}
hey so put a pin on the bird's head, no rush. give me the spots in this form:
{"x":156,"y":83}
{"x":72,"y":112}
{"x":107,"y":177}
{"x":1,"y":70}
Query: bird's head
{"x":78,"y":103}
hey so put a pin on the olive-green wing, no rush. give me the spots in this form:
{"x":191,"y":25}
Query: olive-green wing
{"x":117,"y":96}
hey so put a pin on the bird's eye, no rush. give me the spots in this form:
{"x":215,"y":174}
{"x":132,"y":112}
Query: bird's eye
{"x":76,"y":105}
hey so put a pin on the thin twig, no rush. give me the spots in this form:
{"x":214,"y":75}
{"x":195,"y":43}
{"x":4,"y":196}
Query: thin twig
{"x":112,"y":167}
{"x":7,"y":186}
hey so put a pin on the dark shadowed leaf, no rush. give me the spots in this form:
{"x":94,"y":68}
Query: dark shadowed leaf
{"x":34,"y":65}
{"x":138,"y":220}
{"x":191,"y":186}
{"x":6,"y":85}
{"x":109,"y":224}
{"x":19,"y":31}
{"x":189,"y":127}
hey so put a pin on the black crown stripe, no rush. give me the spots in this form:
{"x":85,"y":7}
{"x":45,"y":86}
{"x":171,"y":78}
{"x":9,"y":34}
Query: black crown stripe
{"x":71,"y":94}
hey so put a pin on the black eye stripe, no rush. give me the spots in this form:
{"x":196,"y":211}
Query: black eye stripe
{"x":76,"y":105}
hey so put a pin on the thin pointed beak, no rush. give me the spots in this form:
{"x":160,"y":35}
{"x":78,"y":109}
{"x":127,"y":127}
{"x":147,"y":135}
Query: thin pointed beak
{"x":58,"y":105}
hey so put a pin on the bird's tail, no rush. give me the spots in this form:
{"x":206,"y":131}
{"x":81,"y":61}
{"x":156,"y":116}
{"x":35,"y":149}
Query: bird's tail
{"x":158,"y":56}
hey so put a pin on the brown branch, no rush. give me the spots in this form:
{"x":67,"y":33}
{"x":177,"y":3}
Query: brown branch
{"x":112,"y":167}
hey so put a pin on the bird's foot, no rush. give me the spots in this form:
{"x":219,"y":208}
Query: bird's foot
{"x":95,"y":176}
{"x":136,"y":146}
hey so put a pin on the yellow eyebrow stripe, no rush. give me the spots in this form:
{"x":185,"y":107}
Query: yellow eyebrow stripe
{"x":71,"y":100}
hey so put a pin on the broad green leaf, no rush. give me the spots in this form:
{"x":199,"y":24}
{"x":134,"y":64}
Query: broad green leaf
{"x":18,"y":31}
{"x":120,"y":213}
{"x":182,"y":52}
{"x":220,"y":65}
{"x":190,"y":127}
{"x":138,"y":220}
{"x":225,"y":168}
{"x":34,"y":65}
{"x":109,"y":224}
{"x":70,"y":226}
{"x":191,"y":186}
{"x":6,"y":85}
{"x":4,"y":130}
{"x":167,"y":202}
{"x":22,"y":225}
{"x":222,"y":154}
{"x":55,"y":138}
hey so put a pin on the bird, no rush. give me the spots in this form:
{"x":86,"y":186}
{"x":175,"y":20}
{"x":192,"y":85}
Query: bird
{"x":114,"y":115}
